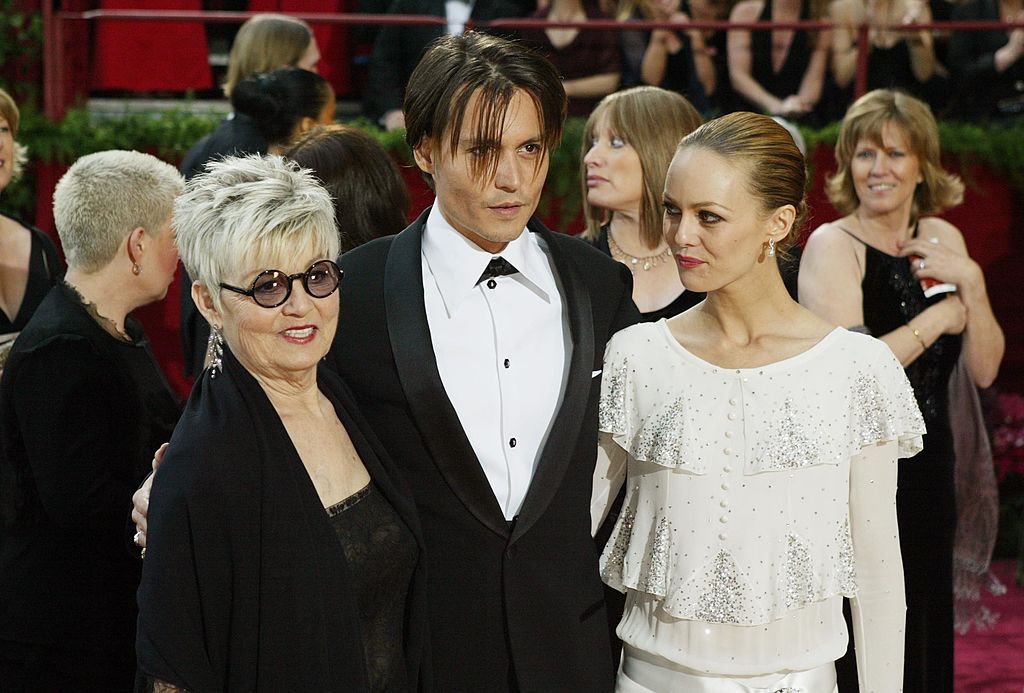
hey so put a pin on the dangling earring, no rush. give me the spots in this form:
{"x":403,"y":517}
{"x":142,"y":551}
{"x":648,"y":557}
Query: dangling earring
{"x":214,"y":351}
{"x":771,"y":247}
{"x":136,"y":270}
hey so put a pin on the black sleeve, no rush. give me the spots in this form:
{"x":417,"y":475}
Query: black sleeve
{"x":626,"y":313}
{"x":71,"y":410}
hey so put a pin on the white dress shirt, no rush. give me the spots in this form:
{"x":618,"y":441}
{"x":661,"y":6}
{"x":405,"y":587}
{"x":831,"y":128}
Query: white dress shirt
{"x":502,"y":348}
{"x":757,"y":498}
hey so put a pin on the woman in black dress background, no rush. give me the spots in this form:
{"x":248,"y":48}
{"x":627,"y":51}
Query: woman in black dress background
{"x":29,"y":265}
{"x":865,"y":271}
{"x":82,"y":406}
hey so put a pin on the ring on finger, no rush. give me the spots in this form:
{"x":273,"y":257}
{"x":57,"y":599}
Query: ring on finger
{"x":933,"y":240}
{"x":920,"y":264}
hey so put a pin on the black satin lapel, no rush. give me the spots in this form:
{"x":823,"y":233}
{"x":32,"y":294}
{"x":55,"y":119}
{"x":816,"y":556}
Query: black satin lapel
{"x":565,"y":431}
{"x":432,"y":411}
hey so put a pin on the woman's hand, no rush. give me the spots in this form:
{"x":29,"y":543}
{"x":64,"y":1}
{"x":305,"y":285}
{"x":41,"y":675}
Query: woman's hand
{"x":939,"y":261}
{"x":140,"y":500}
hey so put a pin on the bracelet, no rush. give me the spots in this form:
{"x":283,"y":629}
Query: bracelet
{"x":918,"y":337}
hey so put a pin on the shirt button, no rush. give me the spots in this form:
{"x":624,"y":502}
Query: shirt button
{"x":723,"y":536}
{"x":732,"y":401}
{"x":727,"y":451}
{"x":732,"y":416}
{"x":727,"y":468}
{"x":723,"y":519}
{"x":728,"y":434}
{"x":511,"y":442}
{"x":491,"y":283}
{"x":507,"y":363}
{"x":725,"y":486}
{"x":724,"y":503}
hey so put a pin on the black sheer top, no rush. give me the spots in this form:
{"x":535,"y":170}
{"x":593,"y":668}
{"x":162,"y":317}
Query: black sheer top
{"x":382,"y":554}
{"x":892,"y":297}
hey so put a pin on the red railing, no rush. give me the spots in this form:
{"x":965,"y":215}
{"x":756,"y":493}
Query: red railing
{"x":55,"y":26}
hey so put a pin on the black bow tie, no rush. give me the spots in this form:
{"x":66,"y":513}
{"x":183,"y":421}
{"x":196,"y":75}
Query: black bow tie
{"x":497,"y":267}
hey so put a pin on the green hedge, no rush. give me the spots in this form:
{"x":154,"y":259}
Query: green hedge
{"x":169,"y":134}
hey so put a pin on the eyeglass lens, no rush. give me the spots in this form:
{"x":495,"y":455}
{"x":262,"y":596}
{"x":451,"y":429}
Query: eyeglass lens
{"x":273,"y":287}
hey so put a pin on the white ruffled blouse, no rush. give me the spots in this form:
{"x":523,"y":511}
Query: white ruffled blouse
{"x":737,"y":507}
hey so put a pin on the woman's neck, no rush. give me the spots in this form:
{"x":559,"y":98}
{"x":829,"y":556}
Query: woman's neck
{"x":564,"y":10}
{"x":110,"y":301}
{"x":624,"y":227}
{"x":885,"y":231}
{"x":751,"y":307}
{"x":292,"y":394}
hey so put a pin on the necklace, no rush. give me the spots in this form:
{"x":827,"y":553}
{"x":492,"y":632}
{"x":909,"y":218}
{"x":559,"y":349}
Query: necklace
{"x":631,"y":261}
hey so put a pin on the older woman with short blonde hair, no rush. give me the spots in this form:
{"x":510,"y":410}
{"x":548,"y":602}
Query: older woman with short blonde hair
{"x":82,"y":405}
{"x":284,"y":551}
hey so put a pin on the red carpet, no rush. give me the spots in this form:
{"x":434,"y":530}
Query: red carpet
{"x":993,"y":661}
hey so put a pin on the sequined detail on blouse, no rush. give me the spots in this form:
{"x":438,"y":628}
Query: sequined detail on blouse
{"x":661,"y":437}
{"x":654,"y":579}
{"x":788,"y":446}
{"x":612,"y":559}
{"x":846,"y":565}
{"x":797,"y":573}
{"x":612,"y":409}
{"x":720,"y":600}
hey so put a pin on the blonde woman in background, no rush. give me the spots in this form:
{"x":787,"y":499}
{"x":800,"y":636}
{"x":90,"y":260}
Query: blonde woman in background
{"x":628,"y":143}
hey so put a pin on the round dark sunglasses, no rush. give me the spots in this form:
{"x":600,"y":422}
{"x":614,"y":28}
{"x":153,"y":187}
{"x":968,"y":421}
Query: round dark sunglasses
{"x":272,"y":287}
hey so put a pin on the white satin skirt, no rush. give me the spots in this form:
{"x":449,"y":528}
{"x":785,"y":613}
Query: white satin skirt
{"x":641,"y":672}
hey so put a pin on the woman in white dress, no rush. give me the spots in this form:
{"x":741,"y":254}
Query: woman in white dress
{"x":758,"y":445}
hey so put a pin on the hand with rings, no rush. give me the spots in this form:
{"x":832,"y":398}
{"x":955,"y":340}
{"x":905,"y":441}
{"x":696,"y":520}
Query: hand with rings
{"x":936,"y":260}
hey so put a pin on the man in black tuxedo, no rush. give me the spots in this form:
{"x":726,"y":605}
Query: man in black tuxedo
{"x":482,"y":376}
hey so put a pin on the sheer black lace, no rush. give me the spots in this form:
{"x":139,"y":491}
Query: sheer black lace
{"x":381,"y":554}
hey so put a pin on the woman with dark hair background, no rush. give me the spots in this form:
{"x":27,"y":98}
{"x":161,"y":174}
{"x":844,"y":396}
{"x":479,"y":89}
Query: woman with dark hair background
{"x":284,"y":104}
{"x":370,"y":197}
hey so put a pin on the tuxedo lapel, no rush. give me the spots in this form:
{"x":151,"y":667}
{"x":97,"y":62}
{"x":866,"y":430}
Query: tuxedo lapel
{"x":565,"y":430}
{"x":432,"y":411}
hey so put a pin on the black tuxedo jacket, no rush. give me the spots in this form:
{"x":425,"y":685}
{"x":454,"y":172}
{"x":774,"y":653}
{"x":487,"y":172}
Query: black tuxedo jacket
{"x":524,"y":598}
{"x":398,"y":49}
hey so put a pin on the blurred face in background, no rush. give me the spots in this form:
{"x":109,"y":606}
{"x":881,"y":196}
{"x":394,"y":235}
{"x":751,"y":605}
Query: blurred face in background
{"x":6,"y":153}
{"x":615,"y":178}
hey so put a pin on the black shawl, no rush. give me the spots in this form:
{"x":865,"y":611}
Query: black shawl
{"x":245,"y":586}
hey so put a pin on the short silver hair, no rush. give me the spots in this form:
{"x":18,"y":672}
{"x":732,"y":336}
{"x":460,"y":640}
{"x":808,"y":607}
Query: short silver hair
{"x":104,"y":196}
{"x":251,"y":208}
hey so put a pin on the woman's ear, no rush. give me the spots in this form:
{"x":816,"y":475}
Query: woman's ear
{"x":782,"y":221}
{"x":135,"y":244}
{"x":204,"y":302}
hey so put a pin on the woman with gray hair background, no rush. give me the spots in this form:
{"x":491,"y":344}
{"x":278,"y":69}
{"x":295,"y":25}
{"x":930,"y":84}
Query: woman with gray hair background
{"x":284,"y":550}
{"x":82,"y":405}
